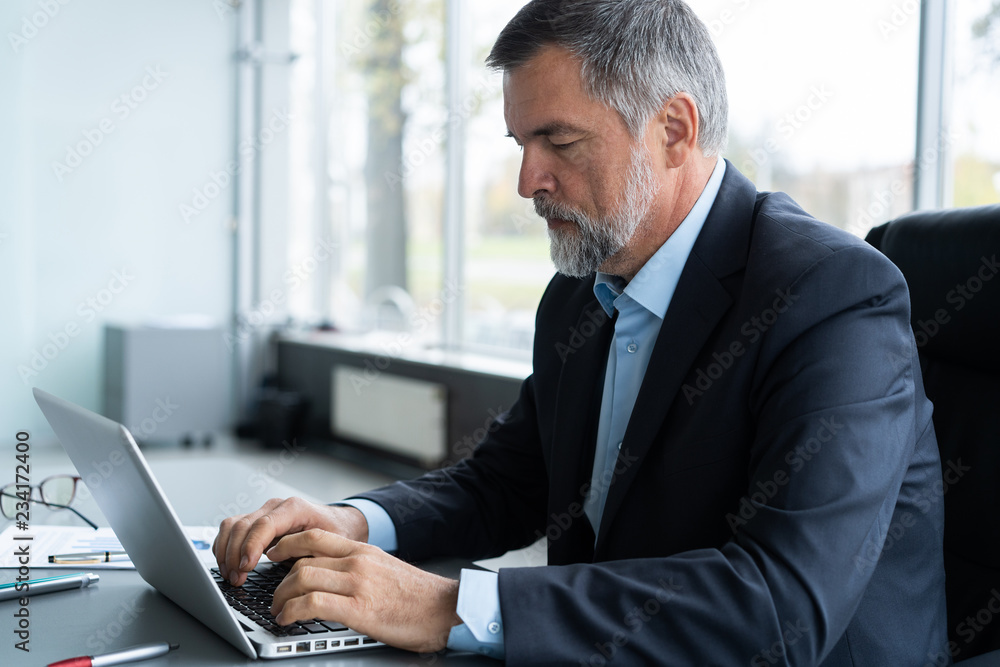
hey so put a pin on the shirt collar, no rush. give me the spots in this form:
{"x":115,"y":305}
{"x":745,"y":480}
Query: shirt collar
{"x":653,"y":287}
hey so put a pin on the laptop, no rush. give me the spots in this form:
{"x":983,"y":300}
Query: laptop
{"x":165,"y":558}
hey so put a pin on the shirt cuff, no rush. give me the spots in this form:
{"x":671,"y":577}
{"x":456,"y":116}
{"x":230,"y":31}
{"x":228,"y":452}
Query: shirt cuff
{"x":479,"y":609}
{"x":381,"y":529}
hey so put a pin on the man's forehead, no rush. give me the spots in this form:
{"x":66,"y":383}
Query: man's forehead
{"x":550,"y":102}
{"x":545,"y":93}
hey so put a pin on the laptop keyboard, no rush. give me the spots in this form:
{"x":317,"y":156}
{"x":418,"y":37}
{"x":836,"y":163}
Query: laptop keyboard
{"x":253,"y":600}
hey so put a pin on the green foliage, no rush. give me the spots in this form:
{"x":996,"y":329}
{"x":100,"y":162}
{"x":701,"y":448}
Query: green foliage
{"x":986,"y":30}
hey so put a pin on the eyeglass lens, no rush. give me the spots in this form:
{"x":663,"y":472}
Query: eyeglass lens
{"x":56,"y":490}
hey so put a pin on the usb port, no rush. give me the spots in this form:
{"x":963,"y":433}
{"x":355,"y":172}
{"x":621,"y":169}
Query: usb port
{"x":320,"y":645}
{"x":351,"y":642}
{"x":286,"y":648}
{"x":369,"y":640}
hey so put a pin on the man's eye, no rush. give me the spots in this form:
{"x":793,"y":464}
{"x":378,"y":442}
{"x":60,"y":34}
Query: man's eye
{"x":563,"y":146}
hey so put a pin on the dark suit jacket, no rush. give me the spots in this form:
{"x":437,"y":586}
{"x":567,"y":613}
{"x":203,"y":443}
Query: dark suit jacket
{"x":778,"y":497}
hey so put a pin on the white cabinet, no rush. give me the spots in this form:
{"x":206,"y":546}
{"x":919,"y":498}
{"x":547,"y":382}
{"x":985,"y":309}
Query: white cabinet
{"x":166,"y":384}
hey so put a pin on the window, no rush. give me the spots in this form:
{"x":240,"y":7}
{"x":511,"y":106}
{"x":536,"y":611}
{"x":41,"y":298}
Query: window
{"x":367,"y":166}
{"x":822,"y":100}
{"x":976,"y":152}
{"x":506,"y":245}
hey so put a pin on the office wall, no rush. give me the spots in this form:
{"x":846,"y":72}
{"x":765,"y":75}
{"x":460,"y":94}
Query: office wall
{"x":111,"y":114}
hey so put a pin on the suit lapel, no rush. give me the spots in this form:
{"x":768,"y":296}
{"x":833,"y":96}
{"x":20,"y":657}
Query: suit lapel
{"x":578,"y":406}
{"x":699,"y":303}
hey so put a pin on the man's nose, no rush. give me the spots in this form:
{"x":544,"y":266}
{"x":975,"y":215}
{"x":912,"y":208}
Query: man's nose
{"x":536,"y":175}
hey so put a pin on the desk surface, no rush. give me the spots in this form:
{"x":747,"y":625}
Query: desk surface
{"x":122,"y":610}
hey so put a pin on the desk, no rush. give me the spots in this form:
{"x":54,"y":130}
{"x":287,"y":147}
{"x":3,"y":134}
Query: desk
{"x":122,"y":610}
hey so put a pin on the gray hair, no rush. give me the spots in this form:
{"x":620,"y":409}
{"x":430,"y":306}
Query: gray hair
{"x":635,"y":55}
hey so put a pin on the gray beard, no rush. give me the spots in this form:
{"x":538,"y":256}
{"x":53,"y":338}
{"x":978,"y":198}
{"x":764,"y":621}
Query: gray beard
{"x":579,"y":252}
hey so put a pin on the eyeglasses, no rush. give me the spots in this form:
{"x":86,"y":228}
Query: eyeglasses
{"x":56,"y":492}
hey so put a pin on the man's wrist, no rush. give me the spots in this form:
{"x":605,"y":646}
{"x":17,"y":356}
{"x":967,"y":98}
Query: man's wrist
{"x":380,"y":531}
{"x":351,"y":522}
{"x":450,"y":607}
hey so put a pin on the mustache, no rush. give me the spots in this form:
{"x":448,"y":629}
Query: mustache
{"x":548,"y":209}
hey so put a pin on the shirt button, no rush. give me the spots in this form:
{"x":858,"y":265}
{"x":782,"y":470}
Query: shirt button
{"x":494,"y":628}
{"x":619,"y":445}
{"x":632,"y":348}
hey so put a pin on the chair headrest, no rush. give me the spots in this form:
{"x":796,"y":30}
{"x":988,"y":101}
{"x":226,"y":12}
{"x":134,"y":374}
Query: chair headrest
{"x":951,"y":262}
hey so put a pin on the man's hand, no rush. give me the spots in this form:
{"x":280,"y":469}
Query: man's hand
{"x":366,"y":589}
{"x":243,"y":538}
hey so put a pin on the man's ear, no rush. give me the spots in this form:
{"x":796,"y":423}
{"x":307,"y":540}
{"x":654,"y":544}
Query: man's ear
{"x":677,"y":130}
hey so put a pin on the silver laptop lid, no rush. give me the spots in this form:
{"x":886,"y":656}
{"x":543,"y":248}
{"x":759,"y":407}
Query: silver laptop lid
{"x":140,"y":514}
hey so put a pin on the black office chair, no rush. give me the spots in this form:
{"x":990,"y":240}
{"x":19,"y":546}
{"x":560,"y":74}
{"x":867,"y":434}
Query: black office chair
{"x":950,"y":261}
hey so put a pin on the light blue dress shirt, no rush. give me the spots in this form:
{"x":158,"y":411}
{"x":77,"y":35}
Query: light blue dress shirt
{"x":641,"y":304}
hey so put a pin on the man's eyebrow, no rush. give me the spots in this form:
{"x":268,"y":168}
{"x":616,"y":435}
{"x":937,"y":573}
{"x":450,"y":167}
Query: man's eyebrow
{"x":551,"y":129}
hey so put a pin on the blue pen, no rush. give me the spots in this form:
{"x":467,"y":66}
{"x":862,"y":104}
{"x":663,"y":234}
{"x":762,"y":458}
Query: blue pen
{"x":47,"y":585}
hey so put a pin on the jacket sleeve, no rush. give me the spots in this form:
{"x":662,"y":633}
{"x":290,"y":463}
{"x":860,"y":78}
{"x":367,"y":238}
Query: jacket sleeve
{"x":481,"y":507}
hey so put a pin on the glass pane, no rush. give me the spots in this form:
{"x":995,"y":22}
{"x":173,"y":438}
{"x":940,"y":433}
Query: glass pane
{"x":976,"y":152}
{"x":824,"y":110}
{"x":507,"y":263}
{"x":8,"y":500}
{"x":380,"y":201}
{"x":58,"y":490}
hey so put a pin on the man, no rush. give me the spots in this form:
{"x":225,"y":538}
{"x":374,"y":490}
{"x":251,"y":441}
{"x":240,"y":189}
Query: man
{"x":725,"y":437}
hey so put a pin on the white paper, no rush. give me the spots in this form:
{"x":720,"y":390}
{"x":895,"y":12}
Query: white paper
{"x":52,"y":540}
